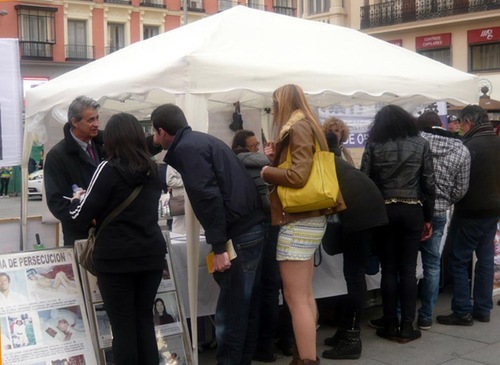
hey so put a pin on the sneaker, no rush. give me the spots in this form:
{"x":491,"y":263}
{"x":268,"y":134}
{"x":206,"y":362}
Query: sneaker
{"x":424,"y":324}
{"x":264,"y":355}
{"x":481,"y":317}
{"x":377,"y":323}
{"x":456,"y":320}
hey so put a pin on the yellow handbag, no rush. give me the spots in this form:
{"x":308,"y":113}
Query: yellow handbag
{"x":321,"y":189}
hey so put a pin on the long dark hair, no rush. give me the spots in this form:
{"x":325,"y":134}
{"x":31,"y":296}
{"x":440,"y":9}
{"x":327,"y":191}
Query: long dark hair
{"x":392,"y":122}
{"x":126,"y":146}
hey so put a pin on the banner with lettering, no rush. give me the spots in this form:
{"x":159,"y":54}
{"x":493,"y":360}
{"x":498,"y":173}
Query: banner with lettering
{"x":11,"y":103}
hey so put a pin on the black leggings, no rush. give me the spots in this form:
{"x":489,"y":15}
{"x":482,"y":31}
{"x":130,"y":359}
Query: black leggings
{"x":356,"y":248}
{"x":399,"y":247}
{"x":4,"y":186}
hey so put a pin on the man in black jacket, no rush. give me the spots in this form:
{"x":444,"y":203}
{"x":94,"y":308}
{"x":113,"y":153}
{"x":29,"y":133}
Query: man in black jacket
{"x":72,"y":161}
{"x":474,"y":223}
{"x":226,"y":202}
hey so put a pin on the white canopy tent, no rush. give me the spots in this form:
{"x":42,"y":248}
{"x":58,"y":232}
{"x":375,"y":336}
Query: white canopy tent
{"x":243,"y":55}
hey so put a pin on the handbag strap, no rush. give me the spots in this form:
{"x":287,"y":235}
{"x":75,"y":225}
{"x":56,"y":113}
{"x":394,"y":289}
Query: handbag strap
{"x":120,"y":208}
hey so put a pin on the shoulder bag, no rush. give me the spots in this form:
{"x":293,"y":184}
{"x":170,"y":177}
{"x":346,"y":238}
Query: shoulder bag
{"x":321,"y":189}
{"x":85,"y":258}
{"x":176,"y":205}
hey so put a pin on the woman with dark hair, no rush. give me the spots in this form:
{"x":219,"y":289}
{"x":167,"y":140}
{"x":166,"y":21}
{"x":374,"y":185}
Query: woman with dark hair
{"x":160,"y":315}
{"x":399,"y":161}
{"x":129,"y":253}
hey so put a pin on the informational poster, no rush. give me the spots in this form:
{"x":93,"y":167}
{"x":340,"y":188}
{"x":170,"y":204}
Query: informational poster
{"x":170,"y":325}
{"x":42,"y":313}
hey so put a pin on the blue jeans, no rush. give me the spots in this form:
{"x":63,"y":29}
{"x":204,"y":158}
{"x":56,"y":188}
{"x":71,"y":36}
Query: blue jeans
{"x":431,"y":261}
{"x":237,"y":312}
{"x":470,"y":235}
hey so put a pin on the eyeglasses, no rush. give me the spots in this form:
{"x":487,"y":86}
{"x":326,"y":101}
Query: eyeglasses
{"x":255,"y":145}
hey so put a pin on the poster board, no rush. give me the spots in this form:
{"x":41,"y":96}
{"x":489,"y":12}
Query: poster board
{"x":172,"y":335}
{"x":42,"y":312}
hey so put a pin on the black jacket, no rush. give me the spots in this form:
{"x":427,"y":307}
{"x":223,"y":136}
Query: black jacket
{"x":364,"y":202}
{"x":223,"y":196}
{"x":67,"y":164}
{"x":402,"y":168}
{"x":133,"y":240}
{"x":482,"y":200}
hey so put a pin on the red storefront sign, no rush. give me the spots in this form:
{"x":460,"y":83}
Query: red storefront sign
{"x":433,"y":41}
{"x":484,"y":35}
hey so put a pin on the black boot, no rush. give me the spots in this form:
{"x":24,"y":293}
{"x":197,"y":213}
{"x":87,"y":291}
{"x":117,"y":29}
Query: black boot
{"x":390,"y":330}
{"x":347,"y":346}
{"x":332,"y":341}
{"x":408,"y":333}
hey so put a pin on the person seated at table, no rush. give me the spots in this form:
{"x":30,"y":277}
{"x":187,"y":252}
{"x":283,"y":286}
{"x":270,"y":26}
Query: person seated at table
{"x":364,"y":214}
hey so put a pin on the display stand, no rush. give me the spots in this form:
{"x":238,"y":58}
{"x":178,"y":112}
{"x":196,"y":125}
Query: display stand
{"x":42,"y":311}
{"x":172,"y":335}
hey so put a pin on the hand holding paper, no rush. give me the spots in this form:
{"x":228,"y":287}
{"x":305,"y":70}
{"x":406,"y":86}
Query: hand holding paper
{"x":221,"y":262}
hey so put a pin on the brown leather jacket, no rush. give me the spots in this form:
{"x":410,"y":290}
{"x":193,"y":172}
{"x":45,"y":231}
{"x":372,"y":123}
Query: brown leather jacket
{"x":298,"y":135}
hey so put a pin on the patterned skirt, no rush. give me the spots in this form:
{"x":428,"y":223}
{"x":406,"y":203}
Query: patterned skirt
{"x":298,"y":240}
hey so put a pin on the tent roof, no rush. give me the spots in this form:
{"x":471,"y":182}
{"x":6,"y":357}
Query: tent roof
{"x":244,"y":54}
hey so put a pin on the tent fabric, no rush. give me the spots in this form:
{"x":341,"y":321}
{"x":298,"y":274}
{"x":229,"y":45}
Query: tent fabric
{"x":243,"y":54}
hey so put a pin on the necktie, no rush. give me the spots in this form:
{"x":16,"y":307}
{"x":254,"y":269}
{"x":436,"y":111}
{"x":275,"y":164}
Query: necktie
{"x":90,"y":151}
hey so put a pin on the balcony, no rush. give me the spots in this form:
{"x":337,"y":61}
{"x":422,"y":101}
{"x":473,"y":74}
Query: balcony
{"x":227,"y":4}
{"x":285,"y":10}
{"x":111,"y":49}
{"x":405,"y":11}
{"x":195,"y":6}
{"x":36,"y":50}
{"x":76,"y":52}
{"x":121,"y":2}
{"x":256,"y":5}
{"x":153,"y":3}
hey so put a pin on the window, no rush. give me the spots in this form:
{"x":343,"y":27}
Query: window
{"x":116,"y":37}
{"x":285,"y":7}
{"x":77,"y":40}
{"x":150,"y":31}
{"x":485,"y":57}
{"x":441,"y":55}
{"x":318,"y":6}
{"x":36,"y":31}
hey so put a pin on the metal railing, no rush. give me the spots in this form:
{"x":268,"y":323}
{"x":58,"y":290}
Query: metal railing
{"x":196,"y":6}
{"x":153,"y":3}
{"x":285,"y":10}
{"x":79,"y":52}
{"x":111,"y":49}
{"x":226,"y":4}
{"x":36,"y":50}
{"x":404,"y":11}
{"x":122,"y":2}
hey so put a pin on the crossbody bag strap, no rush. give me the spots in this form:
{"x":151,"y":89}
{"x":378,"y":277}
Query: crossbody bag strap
{"x":120,"y":208}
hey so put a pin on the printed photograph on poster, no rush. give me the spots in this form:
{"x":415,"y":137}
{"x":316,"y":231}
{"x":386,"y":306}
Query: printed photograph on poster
{"x":496,"y":277}
{"x":171,"y":350}
{"x":167,"y":283}
{"x":51,"y":281}
{"x":72,"y":360}
{"x":166,"y":314}
{"x":103,"y":326}
{"x":13,"y":289}
{"x":62,"y":324}
{"x":22,"y":331}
